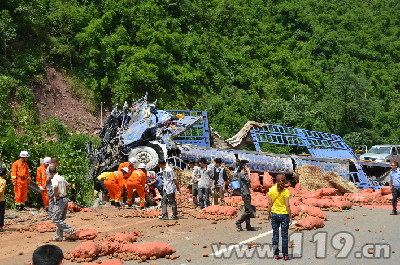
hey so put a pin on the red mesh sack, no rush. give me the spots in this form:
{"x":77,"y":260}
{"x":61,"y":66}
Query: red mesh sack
{"x":268,"y":182}
{"x":297,"y":186}
{"x":255,"y":182}
{"x":293,"y":191}
{"x":317,"y":212}
{"x":344,"y":205}
{"x":311,"y":202}
{"x":107,"y":262}
{"x":86,"y":250}
{"x":152,"y":249}
{"x":310,"y":222}
{"x":327,"y":191}
{"x":227,"y":211}
{"x":311,"y":194}
{"x":260,"y":203}
{"x":220,"y":210}
{"x":367,"y":191}
{"x":324,"y":203}
{"x":386,"y":190}
{"x":294,"y":210}
{"x":124,"y":237}
{"x":296,"y":201}
{"x":86,"y":234}
{"x":108,"y":248}
{"x":337,"y":198}
{"x":388,"y":197}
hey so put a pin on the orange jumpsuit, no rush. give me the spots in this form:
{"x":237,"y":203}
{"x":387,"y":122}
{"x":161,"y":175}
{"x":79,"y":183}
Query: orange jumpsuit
{"x":114,"y":185}
{"x":20,"y":177}
{"x":137,"y":181}
{"x":41,"y":181}
{"x":131,"y":169}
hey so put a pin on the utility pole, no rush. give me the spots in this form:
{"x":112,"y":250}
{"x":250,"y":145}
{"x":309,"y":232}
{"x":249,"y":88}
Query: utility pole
{"x":101,"y":114}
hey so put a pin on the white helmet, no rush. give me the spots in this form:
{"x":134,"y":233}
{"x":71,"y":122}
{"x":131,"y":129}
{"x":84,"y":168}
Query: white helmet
{"x":24,"y":154}
{"x":132,"y":160}
{"x":125,"y":169}
{"x":47,"y":160}
{"x":142,"y":165}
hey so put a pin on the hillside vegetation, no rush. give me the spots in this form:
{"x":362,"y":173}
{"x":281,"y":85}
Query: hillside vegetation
{"x":330,"y":66}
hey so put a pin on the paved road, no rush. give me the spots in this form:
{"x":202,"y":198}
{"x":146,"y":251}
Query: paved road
{"x":374,"y":226}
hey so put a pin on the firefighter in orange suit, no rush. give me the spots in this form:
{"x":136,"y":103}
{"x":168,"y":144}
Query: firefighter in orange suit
{"x":20,"y":178}
{"x":137,"y":181}
{"x":131,"y":165}
{"x":41,"y":181}
{"x":114,"y":184}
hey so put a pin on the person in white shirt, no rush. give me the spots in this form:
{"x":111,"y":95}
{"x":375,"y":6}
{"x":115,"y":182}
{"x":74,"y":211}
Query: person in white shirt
{"x":170,"y":186}
{"x":60,"y":208}
{"x":53,"y":163}
{"x":204,"y":184}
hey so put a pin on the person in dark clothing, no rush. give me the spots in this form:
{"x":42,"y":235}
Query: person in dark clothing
{"x":48,"y":255}
{"x":243,"y":174}
{"x":219,"y":180}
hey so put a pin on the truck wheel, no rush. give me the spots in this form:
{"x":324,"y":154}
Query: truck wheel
{"x":146,"y":155}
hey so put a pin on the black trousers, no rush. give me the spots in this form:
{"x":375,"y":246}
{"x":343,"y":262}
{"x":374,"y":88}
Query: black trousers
{"x":396,"y":194}
{"x":247,"y":211}
{"x":2,"y":213}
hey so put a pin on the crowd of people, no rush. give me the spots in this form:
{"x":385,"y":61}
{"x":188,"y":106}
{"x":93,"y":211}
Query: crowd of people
{"x":208,"y":184}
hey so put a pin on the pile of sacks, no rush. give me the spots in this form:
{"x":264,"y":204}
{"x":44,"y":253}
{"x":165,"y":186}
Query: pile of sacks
{"x":119,"y":246}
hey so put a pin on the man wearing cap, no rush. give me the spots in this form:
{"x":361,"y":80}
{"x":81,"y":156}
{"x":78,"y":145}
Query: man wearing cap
{"x":41,"y":181}
{"x":137,"y":181}
{"x":20,"y":179}
{"x":114,"y":184}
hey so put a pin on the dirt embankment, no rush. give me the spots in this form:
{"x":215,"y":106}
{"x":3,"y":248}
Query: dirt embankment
{"x":55,"y":100}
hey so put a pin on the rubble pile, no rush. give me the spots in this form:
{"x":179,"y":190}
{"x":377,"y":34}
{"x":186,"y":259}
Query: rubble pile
{"x":143,"y":214}
{"x":40,"y":227}
{"x":119,"y":246}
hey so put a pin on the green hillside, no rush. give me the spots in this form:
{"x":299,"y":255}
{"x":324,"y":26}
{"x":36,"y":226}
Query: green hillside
{"x":329,"y":66}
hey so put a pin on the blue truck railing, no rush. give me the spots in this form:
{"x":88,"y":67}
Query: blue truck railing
{"x":320,"y":145}
{"x":199,"y":134}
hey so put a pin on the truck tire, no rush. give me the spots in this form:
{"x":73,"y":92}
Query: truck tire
{"x":146,"y":155}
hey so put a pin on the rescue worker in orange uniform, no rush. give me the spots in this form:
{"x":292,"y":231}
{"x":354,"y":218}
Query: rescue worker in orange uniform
{"x":41,"y":177}
{"x":137,"y":181}
{"x":114,"y":184}
{"x":20,"y":178}
{"x":131,"y":165}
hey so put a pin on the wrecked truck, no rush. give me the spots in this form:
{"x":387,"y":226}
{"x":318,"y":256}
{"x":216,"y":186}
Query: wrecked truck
{"x":148,"y":134}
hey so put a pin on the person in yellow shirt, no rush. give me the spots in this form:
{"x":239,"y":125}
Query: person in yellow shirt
{"x":3,"y":173}
{"x":280,"y":215}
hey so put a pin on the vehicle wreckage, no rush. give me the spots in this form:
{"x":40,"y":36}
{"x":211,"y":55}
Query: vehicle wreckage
{"x":179,"y":136}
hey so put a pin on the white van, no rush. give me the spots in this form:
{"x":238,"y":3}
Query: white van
{"x":382,"y":153}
